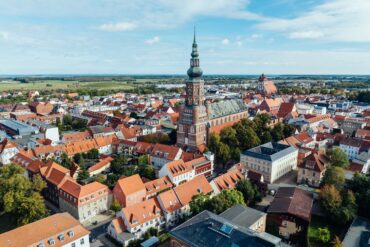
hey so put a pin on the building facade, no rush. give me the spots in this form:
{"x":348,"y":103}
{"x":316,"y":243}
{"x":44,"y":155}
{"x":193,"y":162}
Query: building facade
{"x":272,"y":160}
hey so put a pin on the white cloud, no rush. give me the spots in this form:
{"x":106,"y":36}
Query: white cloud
{"x":4,"y":35}
{"x":256,"y":36}
{"x":306,"y":35}
{"x":118,"y":27}
{"x":153,"y":40}
{"x":225,"y":41}
{"x":333,"y":20}
{"x":239,"y":43}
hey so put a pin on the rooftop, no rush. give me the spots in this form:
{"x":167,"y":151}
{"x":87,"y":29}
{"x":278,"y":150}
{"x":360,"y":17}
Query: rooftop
{"x":242,"y":215}
{"x":207,"y":229}
{"x":270,"y":151}
{"x":43,"y":230}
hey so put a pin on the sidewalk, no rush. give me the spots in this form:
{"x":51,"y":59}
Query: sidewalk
{"x":100,"y":218}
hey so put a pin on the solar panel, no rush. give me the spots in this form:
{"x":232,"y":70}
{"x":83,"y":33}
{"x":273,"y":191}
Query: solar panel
{"x":226,"y":229}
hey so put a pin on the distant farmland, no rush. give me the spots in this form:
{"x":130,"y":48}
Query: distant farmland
{"x":63,"y":85}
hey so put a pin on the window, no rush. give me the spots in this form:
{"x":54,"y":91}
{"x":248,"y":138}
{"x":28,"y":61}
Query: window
{"x":73,"y":245}
{"x":61,"y":237}
{"x":71,"y":234}
{"x":82,"y":241}
{"x":51,"y":242}
{"x":40,"y":245}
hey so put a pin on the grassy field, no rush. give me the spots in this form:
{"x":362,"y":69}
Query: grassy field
{"x":321,"y":222}
{"x":59,"y":84}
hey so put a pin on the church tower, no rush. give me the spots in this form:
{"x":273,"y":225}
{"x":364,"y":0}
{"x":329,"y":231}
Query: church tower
{"x":191,"y":128}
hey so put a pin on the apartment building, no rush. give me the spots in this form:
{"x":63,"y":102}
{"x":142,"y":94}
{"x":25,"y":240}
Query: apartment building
{"x":272,"y":160}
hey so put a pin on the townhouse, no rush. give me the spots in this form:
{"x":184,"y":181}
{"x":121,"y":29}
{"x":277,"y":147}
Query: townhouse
{"x":162,"y":154}
{"x":84,"y":201}
{"x":312,"y":170}
{"x":226,"y":181}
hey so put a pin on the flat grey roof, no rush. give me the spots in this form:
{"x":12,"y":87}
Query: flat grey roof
{"x":242,"y":215}
{"x":270,"y":151}
{"x":358,"y":234}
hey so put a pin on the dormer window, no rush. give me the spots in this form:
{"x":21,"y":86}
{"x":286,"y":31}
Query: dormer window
{"x":40,"y":245}
{"x":71,"y":234}
{"x":51,"y":242}
{"x":61,"y":237}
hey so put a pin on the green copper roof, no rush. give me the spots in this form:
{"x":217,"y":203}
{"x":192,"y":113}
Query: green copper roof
{"x":194,"y":70}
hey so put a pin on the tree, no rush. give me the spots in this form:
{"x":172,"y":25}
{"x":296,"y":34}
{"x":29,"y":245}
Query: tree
{"x":19,"y":196}
{"x":65,"y":161}
{"x":173,"y":137}
{"x":115,"y":206}
{"x":277,"y":132}
{"x":250,"y":192}
{"x":143,"y":160}
{"x":336,"y":242}
{"x":228,"y":136}
{"x":147,"y":171}
{"x":246,"y":136}
{"x":226,"y":199}
{"x":266,"y":137}
{"x":334,"y":176}
{"x":82,"y":174}
{"x":330,"y":198}
{"x":214,"y":143}
{"x":223,"y":153}
{"x":288,"y":130}
{"x":337,"y":157}
{"x":360,"y":186}
{"x":199,"y":203}
{"x":340,"y":207}
{"x":323,"y":235}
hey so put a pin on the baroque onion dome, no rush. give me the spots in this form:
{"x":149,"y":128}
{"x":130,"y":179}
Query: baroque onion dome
{"x":194,"y":71}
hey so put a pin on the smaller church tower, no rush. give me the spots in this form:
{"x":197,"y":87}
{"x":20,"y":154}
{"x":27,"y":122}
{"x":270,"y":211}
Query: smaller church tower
{"x":266,"y":87}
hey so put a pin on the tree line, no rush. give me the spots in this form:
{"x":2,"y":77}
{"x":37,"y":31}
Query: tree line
{"x":244,"y":135}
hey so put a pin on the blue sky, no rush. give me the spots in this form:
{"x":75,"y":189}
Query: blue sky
{"x":154,"y":36}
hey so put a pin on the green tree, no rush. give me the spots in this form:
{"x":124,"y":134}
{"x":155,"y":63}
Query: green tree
{"x":82,"y":174}
{"x":214,"y":143}
{"x":225,"y":200}
{"x":223,"y":154}
{"x":147,"y":171}
{"x":19,"y":196}
{"x":337,"y":157}
{"x":288,"y":130}
{"x":277,"y":132}
{"x":323,"y":235}
{"x":246,"y":136}
{"x":334,"y":176}
{"x":115,"y":206}
{"x":360,"y":186}
{"x":228,"y":136}
{"x":330,"y":198}
{"x":250,"y":192}
{"x":65,"y":161}
{"x":199,"y":203}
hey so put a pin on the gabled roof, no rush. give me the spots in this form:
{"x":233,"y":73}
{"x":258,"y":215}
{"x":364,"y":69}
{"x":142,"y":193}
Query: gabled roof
{"x":42,"y":230}
{"x":129,"y":185}
{"x":100,"y":164}
{"x":169,"y":201}
{"x":78,"y":191}
{"x":158,"y":185}
{"x":142,"y":212}
{"x":187,"y":190}
{"x":178,"y":167}
{"x":316,"y":161}
{"x":228,"y":180}
{"x":294,"y":201}
{"x":165,"y":151}
{"x":54,"y":173}
{"x":285,"y":109}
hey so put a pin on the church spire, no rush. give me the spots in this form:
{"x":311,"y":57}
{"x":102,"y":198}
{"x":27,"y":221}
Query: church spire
{"x":194,"y":70}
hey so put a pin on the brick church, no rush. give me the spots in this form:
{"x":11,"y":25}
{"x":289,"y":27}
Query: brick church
{"x":198,"y":117}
